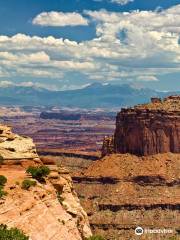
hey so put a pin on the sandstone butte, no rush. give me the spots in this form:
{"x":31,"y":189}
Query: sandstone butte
{"x":37,"y":211}
{"x":136,"y":183}
{"x":147,"y":129}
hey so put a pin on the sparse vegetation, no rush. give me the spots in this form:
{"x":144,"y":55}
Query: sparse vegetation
{"x":26,"y":184}
{"x":96,"y":237}
{"x":2,"y":192}
{"x":3,"y":180}
{"x":39,"y":172}
{"x":11,"y":234}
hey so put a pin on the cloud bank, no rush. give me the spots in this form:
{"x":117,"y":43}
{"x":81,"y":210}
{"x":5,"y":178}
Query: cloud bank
{"x":138,"y":45}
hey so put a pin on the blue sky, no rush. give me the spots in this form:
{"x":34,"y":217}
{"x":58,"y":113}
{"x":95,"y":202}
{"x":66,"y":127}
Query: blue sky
{"x":68,"y":44}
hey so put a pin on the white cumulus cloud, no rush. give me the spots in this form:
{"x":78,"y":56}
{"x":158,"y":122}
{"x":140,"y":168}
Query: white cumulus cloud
{"x":139,"y":45}
{"x":59,"y":19}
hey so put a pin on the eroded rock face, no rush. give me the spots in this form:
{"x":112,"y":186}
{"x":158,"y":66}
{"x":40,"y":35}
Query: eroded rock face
{"x":148,"y":129}
{"x":123,"y":191}
{"x":108,"y":146}
{"x":47,"y":211}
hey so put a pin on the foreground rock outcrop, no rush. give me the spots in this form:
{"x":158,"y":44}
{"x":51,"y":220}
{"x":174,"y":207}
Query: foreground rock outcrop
{"x":147,"y":129}
{"x":49,"y":210}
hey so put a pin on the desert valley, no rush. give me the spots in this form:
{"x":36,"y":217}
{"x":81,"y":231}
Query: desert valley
{"x":89,"y":120}
{"x":130,"y":179}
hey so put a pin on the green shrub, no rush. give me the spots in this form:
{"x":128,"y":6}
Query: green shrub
{"x":11,"y":234}
{"x":96,"y":237}
{"x":26,"y":184}
{"x":3,"y":180}
{"x":38,"y":172}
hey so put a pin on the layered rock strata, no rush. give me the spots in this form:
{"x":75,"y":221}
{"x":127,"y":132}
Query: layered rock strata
{"x":123,"y":191}
{"x":46,"y":211}
{"x":147,"y":129}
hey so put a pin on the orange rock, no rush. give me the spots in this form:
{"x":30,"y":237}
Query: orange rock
{"x":38,"y":211}
{"x":147,"y":129}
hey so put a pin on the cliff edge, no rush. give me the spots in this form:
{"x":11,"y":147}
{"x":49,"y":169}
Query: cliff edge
{"x":48,"y":210}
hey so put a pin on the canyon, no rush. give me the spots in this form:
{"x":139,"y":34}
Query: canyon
{"x":73,"y":143}
{"x":130,"y":179}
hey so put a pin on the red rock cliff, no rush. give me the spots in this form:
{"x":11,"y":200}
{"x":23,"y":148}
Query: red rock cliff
{"x":149,"y":128}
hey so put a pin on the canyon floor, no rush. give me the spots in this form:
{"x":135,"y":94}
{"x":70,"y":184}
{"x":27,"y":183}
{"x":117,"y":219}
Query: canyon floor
{"x":72,"y":143}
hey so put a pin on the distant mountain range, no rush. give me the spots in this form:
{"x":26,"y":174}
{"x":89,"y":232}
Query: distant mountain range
{"x":94,"y":96}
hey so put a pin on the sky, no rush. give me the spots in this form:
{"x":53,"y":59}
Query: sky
{"x":69,"y":44}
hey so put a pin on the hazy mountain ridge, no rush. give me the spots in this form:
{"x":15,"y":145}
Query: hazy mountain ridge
{"x":92,"y":96}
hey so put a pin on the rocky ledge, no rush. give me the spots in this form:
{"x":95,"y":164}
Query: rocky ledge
{"x":49,"y":210}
